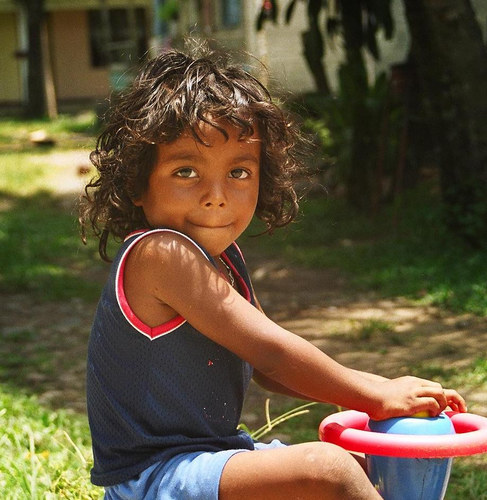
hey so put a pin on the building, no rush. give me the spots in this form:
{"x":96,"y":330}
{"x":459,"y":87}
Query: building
{"x":91,"y":43}
{"x":83,"y":50}
{"x":279,"y":45}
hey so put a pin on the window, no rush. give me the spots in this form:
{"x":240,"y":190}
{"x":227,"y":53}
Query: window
{"x":117,"y":36}
{"x":231,"y":13}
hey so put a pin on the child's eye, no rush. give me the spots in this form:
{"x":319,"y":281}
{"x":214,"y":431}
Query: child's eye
{"x":239,"y":173}
{"x":186,"y":172}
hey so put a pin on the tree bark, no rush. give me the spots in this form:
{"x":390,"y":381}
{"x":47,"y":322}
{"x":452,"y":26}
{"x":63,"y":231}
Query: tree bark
{"x":48,"y":76}
{"x":36,"y":97}
{"x":451,"y":62}
{"x":313,"y":52}
{"x":358,"y":181}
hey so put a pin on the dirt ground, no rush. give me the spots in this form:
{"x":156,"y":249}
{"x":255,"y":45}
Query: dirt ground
{"x":390,"y":337}
{"x":383,"y":336}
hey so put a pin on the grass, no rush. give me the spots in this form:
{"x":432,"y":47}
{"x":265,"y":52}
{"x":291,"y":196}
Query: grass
{"x":40,"y":249}
{"x":404,"y":251}
{"x":468,"y":480}
{"x":41,"y":252}
{"x":68,"y":131}
{"x":45,"y":454}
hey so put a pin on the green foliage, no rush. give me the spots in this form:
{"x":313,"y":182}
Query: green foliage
{"x":404,"y":251}
{"x":45,"y":454}
{"x":41,"y":251}
{"x":358,"y":23}
{"x":169,"y":10}
{"x":67,"y":130}
{"x":40,"y":248}
{"x":358,"y":130}
{"x":368,"y":19}
{"x":466,"y":210}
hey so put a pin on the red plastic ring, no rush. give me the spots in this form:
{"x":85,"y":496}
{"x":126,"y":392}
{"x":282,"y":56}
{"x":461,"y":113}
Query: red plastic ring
{"x":349,"y":429}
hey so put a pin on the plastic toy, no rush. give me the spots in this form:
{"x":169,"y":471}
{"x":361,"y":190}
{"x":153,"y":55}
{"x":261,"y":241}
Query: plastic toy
{"x":408,"y":458}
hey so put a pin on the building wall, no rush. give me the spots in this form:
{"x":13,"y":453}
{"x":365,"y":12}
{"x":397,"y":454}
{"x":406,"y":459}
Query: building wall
{"x":74,"y":76}
{"x":68,"y":32}
{"x":10,"y":82}
{"x":279,"y":46}
{"x":285,"y":51}
{"x":284,"y":57}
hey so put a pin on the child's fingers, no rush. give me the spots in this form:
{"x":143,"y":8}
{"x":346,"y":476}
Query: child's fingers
{"x":432,"y":406}
{"x":454,"y":407}
{"x":455,"y":401}
{"x":421,"y":395}
{"x":433,"y":398}
{"x":444,"y":397}
{"x":434,"y":390}
{"x":439,"y":399}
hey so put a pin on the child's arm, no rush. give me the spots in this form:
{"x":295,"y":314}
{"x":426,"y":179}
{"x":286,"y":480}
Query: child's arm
{"x":273,"y":386}
{"x":371,"y":376}
{"x":168,"y":271}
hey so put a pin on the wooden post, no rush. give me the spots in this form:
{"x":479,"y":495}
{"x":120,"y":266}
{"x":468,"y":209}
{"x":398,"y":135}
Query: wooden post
{"x":49,"y":85}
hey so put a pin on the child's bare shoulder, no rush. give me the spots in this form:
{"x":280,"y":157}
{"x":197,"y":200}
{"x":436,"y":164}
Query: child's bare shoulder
{"x":164,"y":246}
{"x":159,"y":265}
{"x":165,"y":262}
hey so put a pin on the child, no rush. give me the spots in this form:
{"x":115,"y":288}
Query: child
{"x":192,"y":151}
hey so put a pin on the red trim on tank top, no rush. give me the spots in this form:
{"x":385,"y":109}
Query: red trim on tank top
{"x":169,"y":326}
{"x":241,"y":282}
{"x":150,"y":332}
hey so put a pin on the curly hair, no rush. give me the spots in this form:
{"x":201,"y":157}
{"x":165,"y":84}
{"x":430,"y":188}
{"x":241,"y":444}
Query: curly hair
{"x":174,"y":93}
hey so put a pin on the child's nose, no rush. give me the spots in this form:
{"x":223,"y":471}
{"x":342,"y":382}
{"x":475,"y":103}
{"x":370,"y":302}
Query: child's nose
{"x":214,"y":196}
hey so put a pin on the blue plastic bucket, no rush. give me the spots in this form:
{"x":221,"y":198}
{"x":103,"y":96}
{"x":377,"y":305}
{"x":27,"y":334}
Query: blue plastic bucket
{"x":411,"y":478}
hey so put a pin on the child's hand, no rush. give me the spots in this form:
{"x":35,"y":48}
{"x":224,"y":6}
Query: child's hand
{"x":406,"y":396}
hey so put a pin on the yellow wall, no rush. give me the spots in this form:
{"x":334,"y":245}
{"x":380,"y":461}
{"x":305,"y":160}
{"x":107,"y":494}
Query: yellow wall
{"x":74,"y":76}
{"x":10,"y":81}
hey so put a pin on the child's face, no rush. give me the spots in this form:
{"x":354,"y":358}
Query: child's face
{"x":207,"y":192}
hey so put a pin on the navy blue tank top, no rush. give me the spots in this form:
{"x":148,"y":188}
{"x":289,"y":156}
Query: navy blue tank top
{"x":153,"y":393}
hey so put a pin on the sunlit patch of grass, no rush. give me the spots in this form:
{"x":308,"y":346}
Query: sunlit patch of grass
{"x":468,"y":480}
{"x":45,"y":454}
{"x":413,"y":257}
{"x":374,"y":327}
{"x":67,"y":129}
{"x":41,"y":251}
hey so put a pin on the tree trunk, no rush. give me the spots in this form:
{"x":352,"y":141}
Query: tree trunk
{"x":359,"y":182}
{"x":313,"y":52}
{"x":48,"y":76}
{"x":451,"y":61}
{"x":36,"y":97}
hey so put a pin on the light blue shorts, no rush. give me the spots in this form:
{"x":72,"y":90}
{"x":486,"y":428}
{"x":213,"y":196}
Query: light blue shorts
{"x":187,"y":476}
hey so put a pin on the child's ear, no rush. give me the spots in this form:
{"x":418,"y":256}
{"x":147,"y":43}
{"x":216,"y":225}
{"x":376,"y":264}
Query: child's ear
{"x":137,"y":202}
